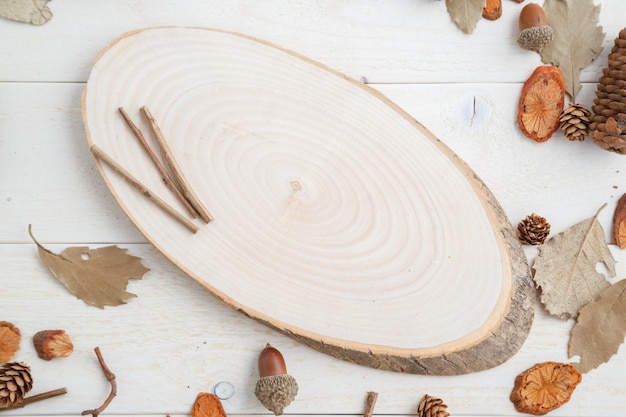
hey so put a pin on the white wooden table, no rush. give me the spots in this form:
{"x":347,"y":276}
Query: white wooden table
{"x":175,"y":339}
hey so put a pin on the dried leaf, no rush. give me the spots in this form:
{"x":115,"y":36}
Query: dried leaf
{"x":565,"y":268}
{"x":577,"y":38}
{"x":465,"y":13}
{"x":97,"y":276}
{"x":600,"y":328}
{"x":27,"y":11}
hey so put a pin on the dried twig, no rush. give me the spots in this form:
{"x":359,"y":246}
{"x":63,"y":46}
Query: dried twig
{"x":110,"y":376}
{"x":175,"y":168}
{"x":35,"y":398}
{"x":370,"y":403}
{"x":167,"y":178}
{"x":142,"y":188}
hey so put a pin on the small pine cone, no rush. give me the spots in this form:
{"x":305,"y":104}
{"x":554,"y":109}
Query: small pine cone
{"x":574,"y":122}
{"x":533,"y":230}
{"x":432,"y":407}
{"x":15,"y":382}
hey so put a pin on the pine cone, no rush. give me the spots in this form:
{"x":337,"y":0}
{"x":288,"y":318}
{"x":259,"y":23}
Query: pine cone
{"x":432,"y":407}
{"x":574,"y":122}
{"x":609,"y":119}
{"x":15,"y":382}
{"x":533,"y":230}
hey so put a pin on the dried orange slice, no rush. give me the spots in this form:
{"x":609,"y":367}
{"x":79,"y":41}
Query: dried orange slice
{"x":544,"y":387}
{"x":207,"y":405}
{"x":541,"y":103}
{"x":10,"y":337}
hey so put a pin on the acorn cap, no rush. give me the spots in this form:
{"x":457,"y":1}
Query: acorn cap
{"x":276,"y":392}
{"x":535,"y":38}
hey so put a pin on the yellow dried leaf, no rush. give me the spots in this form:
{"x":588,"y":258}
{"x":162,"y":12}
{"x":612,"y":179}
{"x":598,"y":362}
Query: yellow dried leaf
{"x":465,"y":13}
{"x":600,"y":328}
{"x":35,"y":12}
{"x":565,"y":268}
{"x":577,"y":38}
{"x":97,"y":276}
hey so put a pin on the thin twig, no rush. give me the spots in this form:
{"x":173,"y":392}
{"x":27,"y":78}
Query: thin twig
{"x":110,"y":376}
{"x":167,"y":178}
{"x":142,"y":188}
{"x":370,"y":403}
{"x":35,"y":398}
{"x":174,"y":167}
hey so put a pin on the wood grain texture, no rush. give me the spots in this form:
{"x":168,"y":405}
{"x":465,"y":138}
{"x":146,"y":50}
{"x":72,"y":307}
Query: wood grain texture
{"x":331,"y":196}
{"x":174,"y":340}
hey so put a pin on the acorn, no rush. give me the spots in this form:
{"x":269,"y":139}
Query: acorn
{"x":535,"y":33}
{"x":275,"y":388}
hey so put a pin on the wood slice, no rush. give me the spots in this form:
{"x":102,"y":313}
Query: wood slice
{"x":338,"y":219}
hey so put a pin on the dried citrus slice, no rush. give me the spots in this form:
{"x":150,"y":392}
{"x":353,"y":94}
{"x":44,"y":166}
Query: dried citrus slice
{"x":544,"y":387}
{"x":541,"y":103}
{"x":9,"y":341}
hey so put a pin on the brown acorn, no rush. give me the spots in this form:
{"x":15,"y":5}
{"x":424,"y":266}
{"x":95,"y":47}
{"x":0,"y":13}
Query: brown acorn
{"x":535,"y":33}
{"x":275,"y":388}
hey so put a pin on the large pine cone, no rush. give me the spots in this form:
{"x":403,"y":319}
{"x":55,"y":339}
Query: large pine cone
{"x":432,"y":407}
{"x":608,"y":123}
{"x":15,"y":382}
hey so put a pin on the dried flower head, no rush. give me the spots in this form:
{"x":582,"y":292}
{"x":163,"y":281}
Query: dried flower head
{"x":544,"y":387}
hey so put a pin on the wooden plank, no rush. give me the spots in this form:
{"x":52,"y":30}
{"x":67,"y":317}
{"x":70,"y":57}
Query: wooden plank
{"x":362,"y":233}
{"x":175,"y":340}
{"x":403,"y":42}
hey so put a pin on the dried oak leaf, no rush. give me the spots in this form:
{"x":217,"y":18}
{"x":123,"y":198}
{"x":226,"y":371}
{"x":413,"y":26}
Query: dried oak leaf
{"x":565,"y":268}
{"x":27,"y":11}
{"x":207,"y":405}
{"x":600,"y":328}
{"x":541,"y":103}
{"x":577,"y":38}
{"x":97,"y":276}
{"x":544,"y":387}
{"x":465,"y":13}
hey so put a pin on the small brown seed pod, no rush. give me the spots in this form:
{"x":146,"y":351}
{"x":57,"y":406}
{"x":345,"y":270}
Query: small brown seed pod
{"x":50,"y":344}
{"x":535,"y":33}
{"x":275,"y":389}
